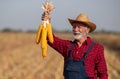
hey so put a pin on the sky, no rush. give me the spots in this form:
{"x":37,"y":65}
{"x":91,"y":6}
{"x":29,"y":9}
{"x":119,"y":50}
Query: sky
{"x":26,"y":14}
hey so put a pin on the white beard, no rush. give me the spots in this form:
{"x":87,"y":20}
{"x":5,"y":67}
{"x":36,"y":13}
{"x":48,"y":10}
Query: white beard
{"x":78,"y":37}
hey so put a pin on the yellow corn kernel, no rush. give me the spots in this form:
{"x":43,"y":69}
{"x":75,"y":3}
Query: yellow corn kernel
{"x":49,"y":33}
{"x":38,"y":36}
{"x":44,"y":38}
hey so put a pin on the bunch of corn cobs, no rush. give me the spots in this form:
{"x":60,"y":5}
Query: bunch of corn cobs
{"x":45,"y":30}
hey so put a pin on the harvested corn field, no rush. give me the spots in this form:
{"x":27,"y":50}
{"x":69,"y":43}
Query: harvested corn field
{"x":20,"y":57}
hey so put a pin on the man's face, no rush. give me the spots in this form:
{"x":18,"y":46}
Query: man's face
{"x":80,"y":30}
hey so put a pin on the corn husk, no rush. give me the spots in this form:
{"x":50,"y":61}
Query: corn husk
{"x":48,"y":6}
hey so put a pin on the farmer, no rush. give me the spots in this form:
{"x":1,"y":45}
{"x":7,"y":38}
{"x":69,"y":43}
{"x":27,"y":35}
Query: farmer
{"x":83,"y":58}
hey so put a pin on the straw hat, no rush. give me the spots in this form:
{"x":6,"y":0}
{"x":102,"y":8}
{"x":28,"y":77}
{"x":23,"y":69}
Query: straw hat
{"x":83,"y":18}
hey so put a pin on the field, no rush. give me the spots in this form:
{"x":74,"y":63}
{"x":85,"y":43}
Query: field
{"x":20,"y":57}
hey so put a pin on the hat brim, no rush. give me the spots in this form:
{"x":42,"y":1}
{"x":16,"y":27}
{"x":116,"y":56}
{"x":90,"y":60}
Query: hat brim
{"x":91,"y":25}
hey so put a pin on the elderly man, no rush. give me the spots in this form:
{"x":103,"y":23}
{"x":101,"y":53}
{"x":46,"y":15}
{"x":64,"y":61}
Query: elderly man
{"x":83,"y":58}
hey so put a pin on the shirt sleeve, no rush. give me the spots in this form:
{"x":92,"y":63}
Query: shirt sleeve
{"x":101,"y":63}
{"x":60,"y":45}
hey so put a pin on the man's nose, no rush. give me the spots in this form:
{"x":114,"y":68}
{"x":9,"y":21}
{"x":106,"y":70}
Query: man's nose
{"x":75,"y":28}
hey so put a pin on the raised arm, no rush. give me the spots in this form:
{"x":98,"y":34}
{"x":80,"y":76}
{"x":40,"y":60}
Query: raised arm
{"x":60,"y":45}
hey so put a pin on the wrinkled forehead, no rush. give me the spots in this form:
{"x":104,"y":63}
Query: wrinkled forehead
{"x":79,"y":24}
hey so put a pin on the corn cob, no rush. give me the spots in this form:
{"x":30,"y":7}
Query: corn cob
{"x":49,"y":32}
{"x":44,"y":42}
{"x":38,"y":37}
{"x":43,"y":38}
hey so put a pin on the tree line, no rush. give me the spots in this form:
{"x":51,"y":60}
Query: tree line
{"x":54,"y":30}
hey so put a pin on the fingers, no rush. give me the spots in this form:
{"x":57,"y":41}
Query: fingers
{"x":46,"y":16}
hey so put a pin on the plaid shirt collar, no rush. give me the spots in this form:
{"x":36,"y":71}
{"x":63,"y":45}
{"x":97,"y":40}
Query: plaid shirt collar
{"x":88,"y":41}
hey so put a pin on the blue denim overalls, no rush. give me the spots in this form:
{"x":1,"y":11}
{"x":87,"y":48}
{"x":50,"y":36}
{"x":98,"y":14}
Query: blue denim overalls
{"x":75,"y":69}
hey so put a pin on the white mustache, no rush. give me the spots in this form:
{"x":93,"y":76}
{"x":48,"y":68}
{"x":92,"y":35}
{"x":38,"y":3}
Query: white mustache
{"x":76,"y":33}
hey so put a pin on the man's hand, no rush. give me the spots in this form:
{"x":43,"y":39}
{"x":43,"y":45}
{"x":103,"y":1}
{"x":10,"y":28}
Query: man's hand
{"x":46,"y":16}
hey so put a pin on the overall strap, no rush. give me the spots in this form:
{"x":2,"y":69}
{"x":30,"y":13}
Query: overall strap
{"x":86,"y":53}
{"x":71,"y":47}
{"x":70,"y":50}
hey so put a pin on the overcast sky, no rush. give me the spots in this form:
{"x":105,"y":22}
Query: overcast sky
{"x":26,"y":14}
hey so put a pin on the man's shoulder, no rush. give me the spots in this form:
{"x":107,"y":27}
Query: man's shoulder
{"x":99,"y":45}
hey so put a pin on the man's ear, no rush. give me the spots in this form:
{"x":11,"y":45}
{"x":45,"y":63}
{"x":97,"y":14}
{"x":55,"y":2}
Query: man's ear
{"x":88,"y":30}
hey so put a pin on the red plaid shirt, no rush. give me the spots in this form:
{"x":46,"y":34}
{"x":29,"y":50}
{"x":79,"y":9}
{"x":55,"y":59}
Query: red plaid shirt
{"x":95,"y":63}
